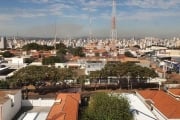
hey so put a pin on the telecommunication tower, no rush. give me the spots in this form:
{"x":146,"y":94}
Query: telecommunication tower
{"x":90,"y":29}
{"x":90,"y":25}
{"x":113,"y":29}
{"x":55,"y":38}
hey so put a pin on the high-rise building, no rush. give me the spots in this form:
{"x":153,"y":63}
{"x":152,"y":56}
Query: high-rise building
{"x":3,"y":43}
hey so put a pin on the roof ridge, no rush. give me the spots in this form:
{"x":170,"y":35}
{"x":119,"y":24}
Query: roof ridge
{"x":71,"y":96}
{"x":64,"y":102}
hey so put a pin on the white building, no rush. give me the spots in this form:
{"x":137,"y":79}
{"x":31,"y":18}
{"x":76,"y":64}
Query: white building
{"x":3,"y":43}
{"x":94,"y":66}
{"x":138,"y":108}
{"x":70,"y":65}
{"x":10,"y":104}
{"x":17,"y":60}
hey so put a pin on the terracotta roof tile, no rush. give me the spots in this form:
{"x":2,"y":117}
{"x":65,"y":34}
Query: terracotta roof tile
{"x":67,"y":108}
{"x":165,"y":103}
{"x":175,"y":91}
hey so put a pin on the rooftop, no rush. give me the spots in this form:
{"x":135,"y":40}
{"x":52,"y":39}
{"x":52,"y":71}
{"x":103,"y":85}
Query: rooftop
{"x":65,"y":107}
{"x":165,"y":103}
{"x":139,"y":109}
{"x":32,"y":113}
{"x":4,"y":93}
{"x":175,"y":91}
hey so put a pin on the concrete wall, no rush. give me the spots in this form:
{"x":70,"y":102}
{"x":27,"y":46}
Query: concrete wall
{"x":93,"y":67}
{"x":68,"y":65}
{"x":172,"y":85}
{"x":17,"y":60}
{"x":38,"y":102}
{"x":11,"y":106}
{"x":3,"y":77}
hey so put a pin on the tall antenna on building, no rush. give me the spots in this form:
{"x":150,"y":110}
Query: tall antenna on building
{"x":113,"y":29}
{"x":55,"y":36}
{"x":90,"y":25}
{"x":90,"y":29}
{"x":17,"y":35}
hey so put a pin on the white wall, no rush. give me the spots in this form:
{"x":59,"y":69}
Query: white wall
{"x":38,"y":102}
{"x":9,"y":111}
{"x":93,"y":67}
{"x":2,"y":43}
{"x":18,"y":60}
{"x":172,"y":85}
{"x":61,"y":65}
{"x":36,"y":63}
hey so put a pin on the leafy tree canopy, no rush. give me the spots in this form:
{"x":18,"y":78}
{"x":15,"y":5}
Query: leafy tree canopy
{"x":123,"y":69}
{"x":32,"y":74}
{"x":137,"y":46}
{"x":35,"y":46}
{"x":78,"y":51}
{"x":54,"y":59}
{"x":4,"y":84}
{"x":106,"y":107}
{"x":7,"y":54}
{"x":128,"y":54}
{"x":61,"y":49}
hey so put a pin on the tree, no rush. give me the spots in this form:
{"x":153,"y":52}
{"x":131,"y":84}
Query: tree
{"x":97,"y":54}
{"x":31,"y":46}
{"x":4,"y":84}
{"x":121,"y":70}
{"x":33,"y":74}
{"x":54,"y":59}
{"x":7,"y":54}
{"x":29,"y":60}
{"x":35,"y":46}
{"x":61,"y":49}
{"x":128,"y":54}
{"x":78,"y":51}
{"x":106,"y":107}
{"x":81,"y":80}
{"x":137,"y":46}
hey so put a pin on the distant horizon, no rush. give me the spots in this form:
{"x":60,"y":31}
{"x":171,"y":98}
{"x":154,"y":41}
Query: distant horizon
{"x":44,"y":18}
{"x":85,"y":37}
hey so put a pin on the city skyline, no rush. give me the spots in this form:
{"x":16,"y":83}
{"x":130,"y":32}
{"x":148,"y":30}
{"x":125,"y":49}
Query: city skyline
{"x":71,"y":17}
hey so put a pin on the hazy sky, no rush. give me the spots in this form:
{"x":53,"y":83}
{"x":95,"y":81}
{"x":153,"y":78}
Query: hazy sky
{"x":134,"y":17}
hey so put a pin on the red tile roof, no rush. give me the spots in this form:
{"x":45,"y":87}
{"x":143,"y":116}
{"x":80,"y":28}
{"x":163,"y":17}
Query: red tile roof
{"x":175,"y":91}
{"x":67,"y":108}
{"x":165,"y":103}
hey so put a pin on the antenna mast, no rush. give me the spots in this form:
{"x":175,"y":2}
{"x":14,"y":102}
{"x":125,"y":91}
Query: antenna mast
{"x":113,"y":29}
{"x":55,"y":37}
{"x":90,"y":25}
